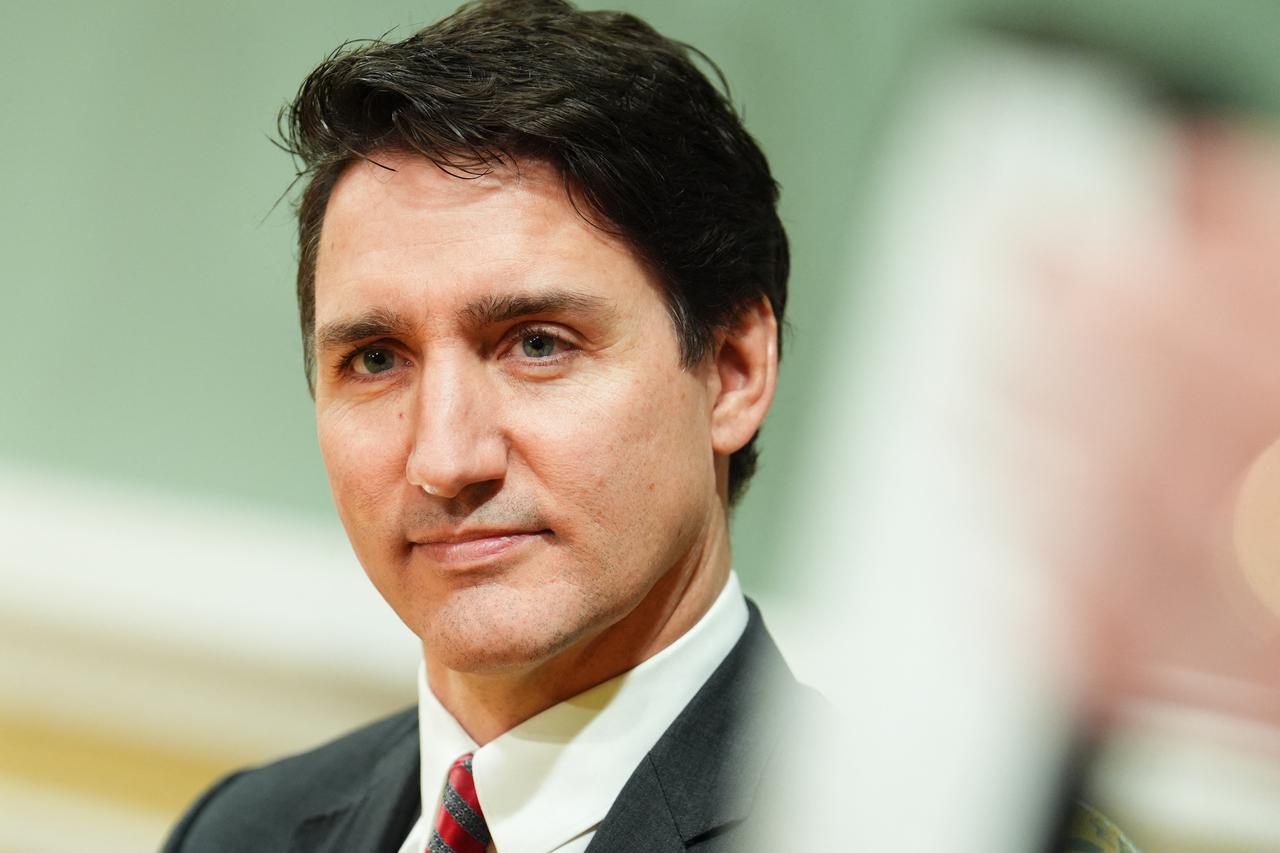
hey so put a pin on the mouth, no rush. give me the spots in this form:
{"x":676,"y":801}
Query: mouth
{"x":479,"y":547}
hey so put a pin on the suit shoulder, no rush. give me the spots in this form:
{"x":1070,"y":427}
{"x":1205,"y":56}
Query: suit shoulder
{"x":257,"y":809}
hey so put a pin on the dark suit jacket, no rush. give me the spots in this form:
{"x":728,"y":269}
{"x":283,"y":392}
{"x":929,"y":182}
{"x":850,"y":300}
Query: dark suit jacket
{"x":697,"y":789}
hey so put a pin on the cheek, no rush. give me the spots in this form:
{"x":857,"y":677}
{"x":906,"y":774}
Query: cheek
{"x":634,"y":457}
{"x":365,"y":462}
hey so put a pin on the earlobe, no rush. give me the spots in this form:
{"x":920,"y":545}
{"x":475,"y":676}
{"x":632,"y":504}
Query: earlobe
{"x":746,"y":364}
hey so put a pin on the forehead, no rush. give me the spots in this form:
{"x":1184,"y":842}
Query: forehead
{"x":402,"y":230}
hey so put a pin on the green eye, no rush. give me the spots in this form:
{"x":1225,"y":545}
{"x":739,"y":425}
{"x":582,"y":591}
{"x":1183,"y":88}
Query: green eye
{"x":538,"y":345}
{"x":376,"y":361}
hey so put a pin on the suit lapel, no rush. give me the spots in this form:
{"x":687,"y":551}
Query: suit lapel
{"x":639,"y":820}
{"x":378,"y":816}
{"x":701,"y":778}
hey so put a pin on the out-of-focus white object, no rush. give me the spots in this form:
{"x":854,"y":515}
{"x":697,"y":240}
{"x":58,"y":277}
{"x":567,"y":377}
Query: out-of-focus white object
{"x":936,"y":623}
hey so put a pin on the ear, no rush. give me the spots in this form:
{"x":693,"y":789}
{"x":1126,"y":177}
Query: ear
{"x":746,"y":365}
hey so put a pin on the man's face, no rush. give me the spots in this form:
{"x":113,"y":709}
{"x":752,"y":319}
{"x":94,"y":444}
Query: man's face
{"x":513,"y":445}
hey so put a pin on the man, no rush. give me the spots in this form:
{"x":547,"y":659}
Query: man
{"x":541,"y":278}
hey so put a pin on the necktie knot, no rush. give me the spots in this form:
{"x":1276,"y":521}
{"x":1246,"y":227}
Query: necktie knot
{"x":459,"y":826}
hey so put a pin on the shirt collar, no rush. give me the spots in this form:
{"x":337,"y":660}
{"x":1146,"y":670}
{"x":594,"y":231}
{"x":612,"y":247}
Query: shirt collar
{"x":555,"y":776}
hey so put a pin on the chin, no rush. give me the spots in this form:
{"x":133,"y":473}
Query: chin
{"x":493,"y":628}
{"x":461,"y":655}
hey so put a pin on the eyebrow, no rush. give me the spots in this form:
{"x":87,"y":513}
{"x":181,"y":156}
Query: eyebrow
{"x":486,"y":311}
{"x":375,"y":323}
{"x":492,"y":310}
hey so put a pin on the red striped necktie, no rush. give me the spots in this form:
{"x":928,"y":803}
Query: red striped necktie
{"x":460,"y":826}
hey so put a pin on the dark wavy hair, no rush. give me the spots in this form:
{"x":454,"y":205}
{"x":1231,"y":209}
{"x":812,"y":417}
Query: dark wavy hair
{"x":648,"y":148}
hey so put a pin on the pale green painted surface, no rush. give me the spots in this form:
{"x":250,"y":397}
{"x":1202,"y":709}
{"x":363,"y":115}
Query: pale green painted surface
{"x":146,"y":282}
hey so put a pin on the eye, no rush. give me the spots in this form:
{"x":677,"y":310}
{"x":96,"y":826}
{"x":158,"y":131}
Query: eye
{"x":374,"y":360}
{"x":538,"y":344}
{"x":539,"y":347}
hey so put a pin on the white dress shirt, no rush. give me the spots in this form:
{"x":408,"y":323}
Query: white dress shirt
{"x":545,"y":785}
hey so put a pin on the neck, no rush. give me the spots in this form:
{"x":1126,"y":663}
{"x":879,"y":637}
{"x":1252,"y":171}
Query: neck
{"x":490,"y":703}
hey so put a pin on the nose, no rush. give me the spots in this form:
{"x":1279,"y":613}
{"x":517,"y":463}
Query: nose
{"x":457,"y":441}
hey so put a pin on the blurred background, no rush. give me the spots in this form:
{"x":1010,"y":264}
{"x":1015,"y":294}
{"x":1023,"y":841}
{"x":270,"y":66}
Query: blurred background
{"x":177,"y":598}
